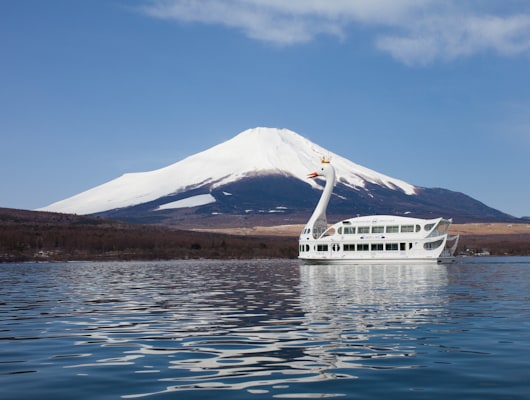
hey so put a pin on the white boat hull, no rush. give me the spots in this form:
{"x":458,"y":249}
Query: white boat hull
{"x":377,"y":261}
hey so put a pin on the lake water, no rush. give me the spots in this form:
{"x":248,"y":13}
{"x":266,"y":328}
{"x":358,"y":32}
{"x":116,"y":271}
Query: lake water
{"x":265,"y":329}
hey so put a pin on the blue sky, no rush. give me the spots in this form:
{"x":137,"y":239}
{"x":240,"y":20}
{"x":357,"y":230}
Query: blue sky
{"x":433,"y":92}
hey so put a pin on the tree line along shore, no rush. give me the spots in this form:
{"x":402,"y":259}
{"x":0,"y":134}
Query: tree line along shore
{"x":64,"y":237}
{"x":32,"y":236}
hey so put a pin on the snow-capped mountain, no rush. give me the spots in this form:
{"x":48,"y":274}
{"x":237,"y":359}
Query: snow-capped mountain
{"x":260,"y":170}
{"x":259,"y":151}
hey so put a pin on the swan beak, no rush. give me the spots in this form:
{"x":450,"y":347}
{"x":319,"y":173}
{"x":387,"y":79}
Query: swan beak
{"x":312,"y":175}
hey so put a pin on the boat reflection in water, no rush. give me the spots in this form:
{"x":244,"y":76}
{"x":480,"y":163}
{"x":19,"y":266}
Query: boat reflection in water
{"x":337,"y":321}
{"x":368,"y":315}
{"x":379,"y":290}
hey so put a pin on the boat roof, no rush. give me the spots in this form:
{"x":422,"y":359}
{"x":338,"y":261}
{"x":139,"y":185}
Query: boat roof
{"x":387,"y":220}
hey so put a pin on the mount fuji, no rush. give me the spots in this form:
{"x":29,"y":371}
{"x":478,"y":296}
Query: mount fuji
{"x":261,"y":174}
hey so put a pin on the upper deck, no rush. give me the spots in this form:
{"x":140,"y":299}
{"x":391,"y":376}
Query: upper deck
{"x":386,"y":227}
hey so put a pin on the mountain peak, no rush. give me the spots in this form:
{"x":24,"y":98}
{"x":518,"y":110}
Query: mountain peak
{"x":271,"y":137}
{"x":265,"y":149}
{"x":266,"y":131}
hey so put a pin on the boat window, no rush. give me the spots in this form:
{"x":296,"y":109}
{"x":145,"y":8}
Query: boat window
{"x":443,"y":227}
{"x":363,"y":229}
{"x":377,"y":246}
{"x":317,"y":231}
{"x":339,"y":231}
{"x":402,"y":246}
{"x":304,"y":248}
{"x":433,"y":245}
{"x":363,"y":247}
{"x":407,"y":228}
{"x":378,"y":229}
{"x":392,"y":229}
{"x":349,"y":230}
{"x":428,"y":227}
{"x":349,"y":247}
{"x":391,"y":246}
{"x":335,"y":247}
{"x":322,"y":247}
{"x":418,"y":228}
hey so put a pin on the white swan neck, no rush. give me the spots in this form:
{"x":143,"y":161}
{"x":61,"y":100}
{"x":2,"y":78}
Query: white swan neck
{"x":318,"y":222}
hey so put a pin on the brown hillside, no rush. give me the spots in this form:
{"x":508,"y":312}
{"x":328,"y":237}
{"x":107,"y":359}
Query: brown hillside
{"x":28,"y":235}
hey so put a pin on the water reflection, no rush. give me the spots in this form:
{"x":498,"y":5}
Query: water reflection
{"x":365,"y":316}
{"x":373,"y":296}
{"x":338,"y":319}
{"x":266,"y":327}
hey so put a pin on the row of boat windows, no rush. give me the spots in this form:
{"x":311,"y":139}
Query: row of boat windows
{"x":352,"y":230}
{"x":370,"y":246}
{"x":359,"y":247}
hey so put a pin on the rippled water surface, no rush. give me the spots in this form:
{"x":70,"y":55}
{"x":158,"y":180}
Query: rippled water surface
{"x":265,"y":329}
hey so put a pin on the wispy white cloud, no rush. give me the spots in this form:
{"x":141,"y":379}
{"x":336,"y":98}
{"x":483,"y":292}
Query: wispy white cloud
{"x":449,"y":37}
{"x":415,"y":32}
{"x":261,"y":20}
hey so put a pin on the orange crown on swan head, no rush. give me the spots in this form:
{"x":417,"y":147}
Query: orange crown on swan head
{"x":325,"y":159}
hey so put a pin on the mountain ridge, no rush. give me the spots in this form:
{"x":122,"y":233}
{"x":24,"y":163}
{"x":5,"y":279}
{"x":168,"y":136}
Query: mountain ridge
{"x":261,"y":174}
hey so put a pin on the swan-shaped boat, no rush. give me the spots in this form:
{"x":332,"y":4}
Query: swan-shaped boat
{"x":373,"y":238}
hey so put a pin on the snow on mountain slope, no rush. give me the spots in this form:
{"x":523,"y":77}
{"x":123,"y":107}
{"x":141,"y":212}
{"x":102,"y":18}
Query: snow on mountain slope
{"x":257,"y":151}
{"x":193,"y":201}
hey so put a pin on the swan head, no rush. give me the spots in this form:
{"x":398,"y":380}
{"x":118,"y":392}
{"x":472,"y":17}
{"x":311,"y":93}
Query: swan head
{"x":326,"y":170}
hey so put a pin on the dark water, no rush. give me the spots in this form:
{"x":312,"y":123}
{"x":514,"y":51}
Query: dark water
{"x":265,"y":329}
